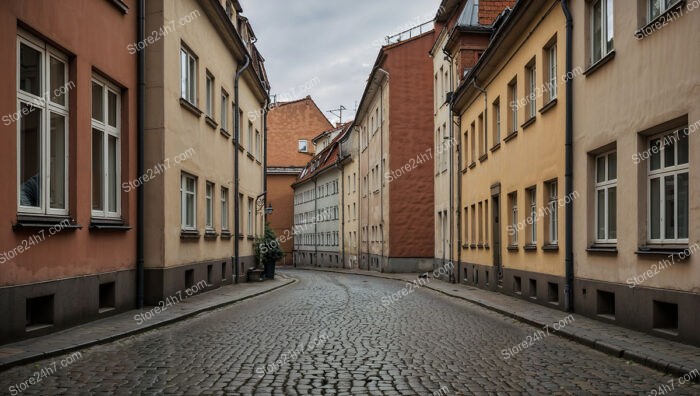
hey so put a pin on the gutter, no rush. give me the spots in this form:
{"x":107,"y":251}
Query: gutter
{"x":140,"y":161}
{"x":237,"y":140}
{"x":569,"y":176}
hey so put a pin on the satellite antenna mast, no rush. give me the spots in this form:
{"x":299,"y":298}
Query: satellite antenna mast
{"x":339,"y":114}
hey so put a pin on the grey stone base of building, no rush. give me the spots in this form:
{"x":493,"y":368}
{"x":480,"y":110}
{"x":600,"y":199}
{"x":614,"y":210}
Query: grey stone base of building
{"x":535,"y":287}
{"x":374,"y":262}
{"x":42,"y":308}
{"x":161,"y":283}
{"x":664,"y":313}
{"x":668,"y":314}
{"x":318,"y":259}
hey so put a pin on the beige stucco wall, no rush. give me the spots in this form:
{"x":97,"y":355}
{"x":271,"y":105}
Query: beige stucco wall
{"x":647,"y":83}
{"x":350,"y":193}
{"x":371,"y":154}
{"x":534,"y":156}
{"x":171,"y":129}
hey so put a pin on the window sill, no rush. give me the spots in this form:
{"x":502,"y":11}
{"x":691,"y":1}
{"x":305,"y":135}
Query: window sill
{"x":479,"y":245}
{"x":472,"y":165}
{"x":512,"y":248}
{"x":483,"y":158}
{"x":486,"y":246}
{"x":250,"y":156}
{"x":472,"y":246}
{"x":465,"y":170}
{"x":240,"y":147}
{"x":465,"y":246}
{"x":548,"y":106}
{"x":210,"y":121}
{"x":550,"y":248}
{"x":528,"y":122}
{"x":225,"y":133}
{"x":250,"y":237}
{"x":41,"y":222}
{"x":189,"y":106}
{"x":661,"y":19}
{"x":108,"y":225}
{"x":672,"y":250}
{"x":226,"y":235}
{"x":496,"y":147}
{"x":602,"y":61}
{"x":510,"y":136}
{"x":189,"y":234}
{"x":257,"y":161}
{"x":602,"y":249}
{"x":240,"y":236}
{"x":530,"y":248}
{"x":210,"y":234}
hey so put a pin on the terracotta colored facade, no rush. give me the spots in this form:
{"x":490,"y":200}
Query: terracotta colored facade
{"x":395,"y":122}
{"x":287,"y":123}
{"x":53,"y":274}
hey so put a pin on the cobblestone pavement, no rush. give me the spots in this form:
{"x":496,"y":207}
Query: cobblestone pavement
{"x":332,"y":334}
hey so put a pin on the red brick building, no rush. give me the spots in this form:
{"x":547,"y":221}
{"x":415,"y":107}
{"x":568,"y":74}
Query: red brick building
{"x":291,"y":128}
{"x":395,"y":123}
{"x":69,"y":109}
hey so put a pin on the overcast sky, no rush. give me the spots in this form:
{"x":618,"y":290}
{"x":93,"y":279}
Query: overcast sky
{"x":326,"y":46}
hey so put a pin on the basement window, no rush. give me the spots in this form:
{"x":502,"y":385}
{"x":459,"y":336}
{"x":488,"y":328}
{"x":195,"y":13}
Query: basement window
{"x":665,"y":317}
{"x":107,"y":297}
{"x":39,"y":313}
{"x":605,"y":304}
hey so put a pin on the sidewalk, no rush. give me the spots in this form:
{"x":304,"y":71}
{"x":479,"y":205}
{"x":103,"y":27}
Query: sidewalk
{"x":658,"y":353}
{"x":124,"y":325}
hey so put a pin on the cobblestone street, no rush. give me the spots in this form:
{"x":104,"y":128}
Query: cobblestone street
{"x":332,"y":334}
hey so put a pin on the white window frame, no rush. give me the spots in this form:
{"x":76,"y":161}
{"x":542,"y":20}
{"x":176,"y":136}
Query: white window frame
{"x":108,"y":130}
{"x":605,"y":29}
{"x":258,"y":145}
{"x":209,"y":206}
{"x":532,"y":195}
{"x":188,"y":77}
{"x":224,"y":110}
{"x":497,"y":111}
{"x":184,"y":193}
{"x":531,"y":87}
{"x":224,"y":209}
{"x":552,"y":69}
{"x":514,"y":218}
{"x":553,"y":218}
{"x":514,"y":109}
{"x":251,"y":230}
{"x":661,"y":173}
{"x":210,"y":96}
{"x":605,"y":186}
{"x":664,"y":8}
{"x":47,"y":107}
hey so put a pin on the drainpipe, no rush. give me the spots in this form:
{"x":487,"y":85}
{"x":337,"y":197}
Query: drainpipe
{"x":237,"y":137}
{"x":381,"y":163}
{"x":569,"y":172}
{"x":459,"y":198}
{"x":140,"y":161}
{"x":451,"y":168}
{"x":342,"y":205}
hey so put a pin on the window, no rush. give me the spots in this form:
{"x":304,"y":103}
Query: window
{"x":552,"y":71}
{"x":668,"y":188}
{"x":482,"y":136}
{"x":258,"y":145}
{"x":602,"y":26}
{"x":496,"y":122}
{"x":531,"y":73}
{"x":473,"y":142}
{"x":466,"y":224}
{"x":656,"y":7}
{"x":106,"y":149}
{"x":209,"y":206}
{"x":436,"y":92}
{"x":224,"y":110}
{"x":532,"y":216}
{"x":188,"y":76}
{"x":513,"y":232}
{"x":224,"y":208}
{"x":188,"y":202}
{"x":303,"y":146}
{"x":210,"y":98}
{"x":42,"y":129}
{"x":481,"y":222}
{"x":513,"y":100}
{"x":473,"y":233}
{"x":606,"y":198}
{"x":553,"y":217}
{"x":250,"y":136}
{"x":251,"y":224}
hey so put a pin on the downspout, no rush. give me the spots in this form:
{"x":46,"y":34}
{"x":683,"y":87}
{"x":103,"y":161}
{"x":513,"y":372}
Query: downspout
{"x":569,"y":176}
{"x":381,"y":162}
{"x":140,"y":161}
{"x":342,"y":206}
{"x":451,"y":169}
{"x":459,"y":199}
{"x":236,"y":186}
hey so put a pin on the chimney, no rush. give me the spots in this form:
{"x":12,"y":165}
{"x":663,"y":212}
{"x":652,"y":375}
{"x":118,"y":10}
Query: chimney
{"x":489,"y":10}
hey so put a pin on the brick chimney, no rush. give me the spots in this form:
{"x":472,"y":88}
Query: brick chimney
{"x":490,"y":9}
